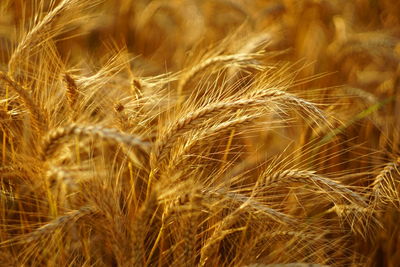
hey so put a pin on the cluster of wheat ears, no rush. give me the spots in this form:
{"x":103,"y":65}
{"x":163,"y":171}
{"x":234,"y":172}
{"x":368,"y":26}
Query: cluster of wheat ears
{"x":199,"y":133}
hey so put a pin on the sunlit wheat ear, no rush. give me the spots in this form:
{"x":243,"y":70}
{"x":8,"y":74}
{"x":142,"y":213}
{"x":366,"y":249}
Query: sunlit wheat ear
{"x":239,"y":59}
{"x":122,"y":119}
{"x":187,"y":123}
{"x":61,"y":223}
{"x":309,"y":177}
{"x":362,"y":94}
{"x":385,"y":185}
{"x":236,"y":199}
{"x":72,"y":91}
{"x":209,"y":134}
{"x":46,"y":28}
{"x":256,"y":43}
{"x":361,"y":220}
{"x":52,"y":141}
{"x":39,"y":122}
{"x":116,"y":60}
{"x":292,"y":101}
{"x":63,"y":176}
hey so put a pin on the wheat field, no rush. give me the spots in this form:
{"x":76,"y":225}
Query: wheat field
{"x":252,"y":133}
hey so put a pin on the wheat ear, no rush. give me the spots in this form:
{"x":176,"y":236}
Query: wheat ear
{"x":38,"y":33}
{"x":61,"y":222}
{"x":309,"y":177}
{"x":72,"y":91}
{"x":224,"y":59}
{"x":139,"y":229}
{"x":209,"y":135}
{"x":186,"y":123}
{"x":52,"y":140}
{"x":384,"y":188}
{"x":38,"y":120}
{"x":251,"y":204}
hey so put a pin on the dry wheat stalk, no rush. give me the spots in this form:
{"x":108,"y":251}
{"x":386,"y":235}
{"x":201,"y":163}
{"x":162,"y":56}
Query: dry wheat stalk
{"x":361,"y":220}
{"x":291,"y":100}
